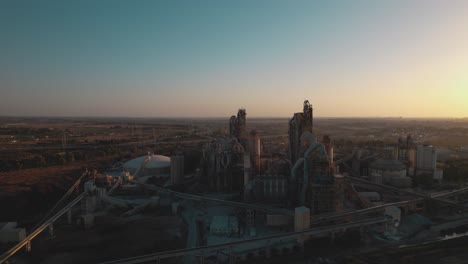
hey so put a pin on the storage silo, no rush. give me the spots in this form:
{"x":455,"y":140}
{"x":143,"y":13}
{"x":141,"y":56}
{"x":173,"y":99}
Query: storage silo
{"x":177,"y":169}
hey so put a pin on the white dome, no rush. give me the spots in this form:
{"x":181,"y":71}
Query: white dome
{"x":148,"y":162}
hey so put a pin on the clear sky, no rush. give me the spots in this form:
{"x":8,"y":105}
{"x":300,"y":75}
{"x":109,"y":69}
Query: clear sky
{"x":200,"y":58}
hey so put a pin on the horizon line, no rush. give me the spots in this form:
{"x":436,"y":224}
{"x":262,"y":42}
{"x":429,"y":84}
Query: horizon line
{"x":227,"y":117}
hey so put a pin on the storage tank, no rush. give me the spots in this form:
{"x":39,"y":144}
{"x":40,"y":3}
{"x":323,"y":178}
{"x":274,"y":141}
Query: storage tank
{"x":301,"y":218}
{"x":339,"y":192}
{"x":247,"y":168}
{"x":177,"y":169}
{"x":426,"y":159}
{"x":150,"y":165}
{"x":254,"y":149}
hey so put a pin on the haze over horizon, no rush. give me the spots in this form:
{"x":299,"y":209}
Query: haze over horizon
{"x":206,"y":58}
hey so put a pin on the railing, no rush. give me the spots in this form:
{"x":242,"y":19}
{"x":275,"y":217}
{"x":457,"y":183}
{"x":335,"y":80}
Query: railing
{"x":65,"y":196}
{"x":255,"y":241}
{"x":213,"y":200}
{"x":318,"y":218}
{"x":450,"y":203}
{"x":452,"y":193}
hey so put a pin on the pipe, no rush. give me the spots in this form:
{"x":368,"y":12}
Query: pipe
{"x":306,"y":169}
{"x":294,"y":168}
{"x":305,"y":173}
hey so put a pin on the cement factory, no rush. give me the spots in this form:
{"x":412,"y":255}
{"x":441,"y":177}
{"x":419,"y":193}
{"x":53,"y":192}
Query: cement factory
{"x":245,"y":202}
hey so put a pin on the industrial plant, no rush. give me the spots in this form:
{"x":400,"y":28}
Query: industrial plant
{"x":245,"y":201}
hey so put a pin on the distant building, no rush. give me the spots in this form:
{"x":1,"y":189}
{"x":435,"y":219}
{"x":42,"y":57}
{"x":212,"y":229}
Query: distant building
{"x":426,"y":159}
{"x":404,"y":151}
{"x":391,"y":172}
{"x":299,"y":123}
{"x":237,"y":125}
{"x":223,"y":164}
{"x":229,"y":164}
{"x":407,"y":151}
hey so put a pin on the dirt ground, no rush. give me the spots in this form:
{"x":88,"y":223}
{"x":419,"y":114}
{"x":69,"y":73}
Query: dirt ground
{"x":26,"y":193}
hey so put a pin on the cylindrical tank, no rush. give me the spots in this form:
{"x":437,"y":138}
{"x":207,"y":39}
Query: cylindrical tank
{"x":254,"y":148}
{"x":177,"y":169}
{"x":247,"y":168}
{"x":301,"y":218}
{"x":339,"y":192}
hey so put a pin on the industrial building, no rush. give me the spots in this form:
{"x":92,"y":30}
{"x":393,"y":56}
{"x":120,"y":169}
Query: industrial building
{"x":300,"y":122}
{"x":426,"y":161}
{"x":238,"y":126}
{"x":251,"y":201}
{"x":223,"y":164}
{"x":392,"y":172}
{"x":397,"y":164}
{"x":313,"y":176}
{"x":407,"y":153}
{"x":309,"y":181}
{"x":231,"y":163}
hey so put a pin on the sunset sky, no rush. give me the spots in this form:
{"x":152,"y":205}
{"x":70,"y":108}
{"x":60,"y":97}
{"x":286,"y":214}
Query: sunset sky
{"x":201,"y":58}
